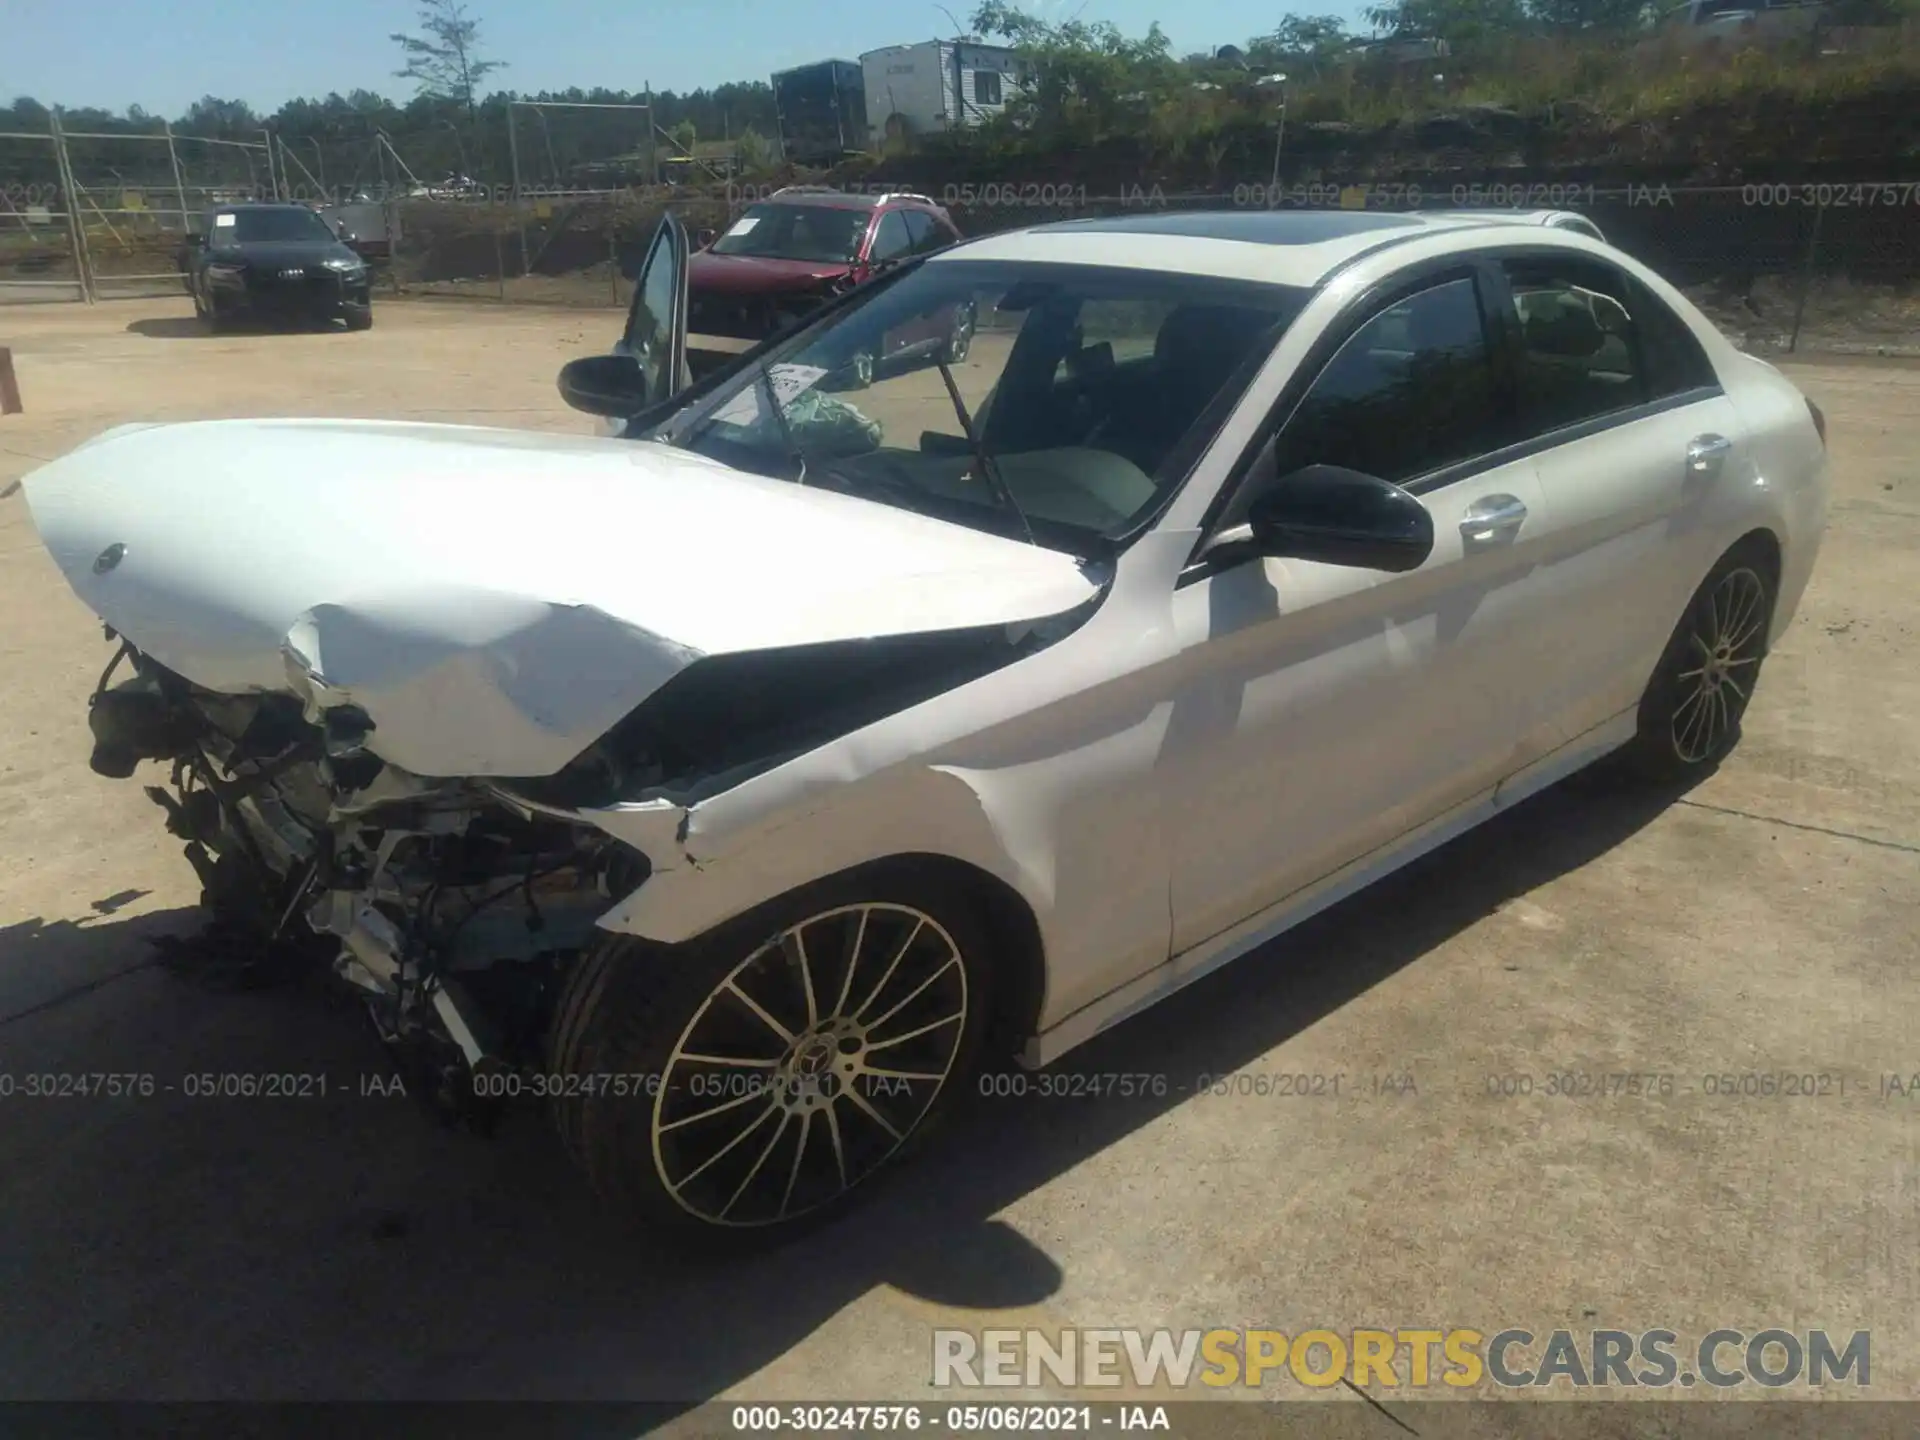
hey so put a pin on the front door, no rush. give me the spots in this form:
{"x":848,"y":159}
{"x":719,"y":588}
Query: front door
{"x":656,"y":330}
{"x":1324,"y":710}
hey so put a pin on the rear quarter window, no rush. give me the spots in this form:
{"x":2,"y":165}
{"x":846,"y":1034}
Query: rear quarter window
{"x":1674,"y":359}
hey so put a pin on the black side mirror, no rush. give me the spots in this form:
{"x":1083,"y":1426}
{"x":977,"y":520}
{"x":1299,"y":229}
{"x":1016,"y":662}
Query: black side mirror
{"x":608,"y":385}
{"x":1341,"y":517}
{"x":704,"y":237}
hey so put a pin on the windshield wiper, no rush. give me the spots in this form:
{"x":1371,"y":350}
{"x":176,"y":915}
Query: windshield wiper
{"x":989,"y":471}
{"x":794,"y":452}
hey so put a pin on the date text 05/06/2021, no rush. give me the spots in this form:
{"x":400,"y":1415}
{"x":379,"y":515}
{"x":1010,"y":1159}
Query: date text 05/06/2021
{"x":317,"y":1085}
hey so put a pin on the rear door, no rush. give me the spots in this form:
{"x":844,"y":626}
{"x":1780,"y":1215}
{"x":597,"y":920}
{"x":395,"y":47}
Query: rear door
{"x":1632,"y":434}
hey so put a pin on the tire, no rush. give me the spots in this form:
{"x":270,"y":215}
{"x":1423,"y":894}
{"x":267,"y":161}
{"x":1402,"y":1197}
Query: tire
{"x":834,"y":1108}
{"x":960,"y":343}
{"x":1691,"y":711}
{"x":359,"y":317}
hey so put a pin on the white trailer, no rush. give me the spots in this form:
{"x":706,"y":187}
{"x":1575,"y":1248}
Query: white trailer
{"x":936,"y":85}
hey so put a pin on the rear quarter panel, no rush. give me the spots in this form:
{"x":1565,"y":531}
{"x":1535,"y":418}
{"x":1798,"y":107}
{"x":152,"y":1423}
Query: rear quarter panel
{"x":1792,"y":468}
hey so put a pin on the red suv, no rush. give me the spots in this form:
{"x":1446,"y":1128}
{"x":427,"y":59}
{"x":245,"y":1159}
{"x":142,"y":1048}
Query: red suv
{"x":799,"y":247}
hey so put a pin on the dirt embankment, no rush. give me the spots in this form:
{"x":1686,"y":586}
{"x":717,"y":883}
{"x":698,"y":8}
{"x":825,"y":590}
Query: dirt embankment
{"x":1873,"y":134}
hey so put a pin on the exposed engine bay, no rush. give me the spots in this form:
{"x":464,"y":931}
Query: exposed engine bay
{"x":455,"y":906}
{"x":451,"y":909}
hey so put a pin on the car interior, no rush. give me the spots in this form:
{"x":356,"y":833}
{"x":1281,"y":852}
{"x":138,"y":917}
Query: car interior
{"x":1577,"y":351}
{"x":1081,"y":429}
{"x":1083,"y":437}
{"x":1080,"y":437}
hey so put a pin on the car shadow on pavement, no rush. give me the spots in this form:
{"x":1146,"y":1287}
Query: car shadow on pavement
{"x":194,"y":1244}
{"x":192,"y":327}
{"x":170,"y":327}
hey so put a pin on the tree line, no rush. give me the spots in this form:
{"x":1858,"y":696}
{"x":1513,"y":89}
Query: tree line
{"x":1082,"y":77}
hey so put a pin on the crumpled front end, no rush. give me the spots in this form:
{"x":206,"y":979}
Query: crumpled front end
{"x":453,"y":910}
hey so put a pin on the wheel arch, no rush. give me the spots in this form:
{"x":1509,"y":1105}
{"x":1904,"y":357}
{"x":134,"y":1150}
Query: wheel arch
{"x":1019,"y":959}
{"x":1764,"y":544}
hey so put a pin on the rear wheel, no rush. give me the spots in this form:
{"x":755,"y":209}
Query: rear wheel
{"x":791,"y":1057}
{"x":1691,"y":712}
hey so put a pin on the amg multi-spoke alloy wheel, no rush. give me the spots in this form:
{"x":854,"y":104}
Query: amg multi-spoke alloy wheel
{"x":784,"y":1062}
{"x":1690,"y":715}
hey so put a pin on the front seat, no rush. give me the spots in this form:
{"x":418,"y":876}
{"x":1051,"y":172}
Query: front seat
{"x":1197,"y":351}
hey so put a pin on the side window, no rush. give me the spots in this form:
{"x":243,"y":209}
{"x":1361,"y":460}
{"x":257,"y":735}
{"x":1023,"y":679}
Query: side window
{"x":923,"y":231}
{"x":1579,"y":351}
{"x":891,"y":240}
{"x":986,"y":87}
{"x":1674,"y":360}
{"x":1411,"y":391}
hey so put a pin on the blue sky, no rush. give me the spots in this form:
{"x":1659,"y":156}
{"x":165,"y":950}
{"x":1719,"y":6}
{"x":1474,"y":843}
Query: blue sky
{"x":116,"y":53}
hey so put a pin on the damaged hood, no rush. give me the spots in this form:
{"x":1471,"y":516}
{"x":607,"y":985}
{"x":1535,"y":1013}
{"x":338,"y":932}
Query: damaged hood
{"x":495,"y":600}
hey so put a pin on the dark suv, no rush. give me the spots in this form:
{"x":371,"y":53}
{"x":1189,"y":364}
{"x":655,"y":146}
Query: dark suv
{"x":275,"y":262}
{"x":798,"y":248}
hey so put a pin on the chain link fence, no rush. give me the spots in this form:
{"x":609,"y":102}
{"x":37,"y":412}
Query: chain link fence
{"x":1779,"y":267}
{"x":89,"y":216}
{"x":39,"y":247}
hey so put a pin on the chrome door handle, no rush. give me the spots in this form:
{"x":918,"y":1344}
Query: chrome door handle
{"x":1706,"y":453}
{"x":1495,"y":517}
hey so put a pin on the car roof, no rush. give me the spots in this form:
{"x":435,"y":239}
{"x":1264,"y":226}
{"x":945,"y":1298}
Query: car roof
{"x":1284,"y":247}
{"x":1516,"y":217}
{"x":841,"y":199}
{"x":260,"y":205}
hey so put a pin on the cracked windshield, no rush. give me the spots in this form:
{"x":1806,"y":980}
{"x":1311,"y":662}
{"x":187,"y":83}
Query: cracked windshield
{"x":1045,"y":401}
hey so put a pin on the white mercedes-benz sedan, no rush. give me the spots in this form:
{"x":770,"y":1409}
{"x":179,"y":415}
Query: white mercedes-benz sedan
{"x":744,"y":783}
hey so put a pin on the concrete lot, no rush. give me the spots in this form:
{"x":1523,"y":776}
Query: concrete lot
{"x":342,"y":1248}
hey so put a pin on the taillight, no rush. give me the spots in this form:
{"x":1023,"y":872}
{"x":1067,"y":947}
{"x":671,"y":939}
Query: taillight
{"x":1819,"y":421}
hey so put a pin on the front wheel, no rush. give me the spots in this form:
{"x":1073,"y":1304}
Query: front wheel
{"x":1691,"y":712}
{"x":359,"y":317}
{"x":788,"y":1058}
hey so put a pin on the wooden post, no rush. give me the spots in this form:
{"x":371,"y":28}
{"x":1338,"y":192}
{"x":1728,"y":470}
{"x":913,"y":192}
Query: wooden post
{"x":9,"y":386}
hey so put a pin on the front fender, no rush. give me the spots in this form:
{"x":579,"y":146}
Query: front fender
{"x":694,"y":887}
{"x":1043,"y":774}
{"x":1086,"y":858}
